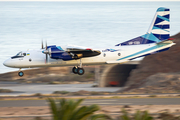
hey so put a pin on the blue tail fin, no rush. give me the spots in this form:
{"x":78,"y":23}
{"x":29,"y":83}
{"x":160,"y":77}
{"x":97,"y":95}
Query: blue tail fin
{"x":158,"y":30}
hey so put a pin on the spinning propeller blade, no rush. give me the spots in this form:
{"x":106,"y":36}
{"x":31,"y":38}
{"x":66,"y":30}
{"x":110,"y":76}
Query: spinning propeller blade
{"x":45,"y":51}
{"x":46,"y":54}
{"x":42,"y":44}
{"x":46,"y":45}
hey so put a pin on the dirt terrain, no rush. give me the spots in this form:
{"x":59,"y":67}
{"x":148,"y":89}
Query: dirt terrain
{"x":12,"y":113}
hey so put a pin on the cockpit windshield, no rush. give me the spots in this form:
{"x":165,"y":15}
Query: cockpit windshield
{"x":20,"y":54}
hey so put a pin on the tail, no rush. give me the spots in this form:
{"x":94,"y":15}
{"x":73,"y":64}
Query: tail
{"x":158,"y":30}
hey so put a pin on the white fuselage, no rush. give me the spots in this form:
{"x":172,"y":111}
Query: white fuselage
{"x":35,"y":58}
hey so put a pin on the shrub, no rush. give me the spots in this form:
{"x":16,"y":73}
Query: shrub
{"x":60,"y":92}
{"x":94,"y":85}
{"x":152,"y":95}
{"x":137,"y":116}
{"x":167,"y":116}
{"x":5,"y":91}
{"x":70,"y":110}
{"x":95,"y":93}
{"x":37,"y":94}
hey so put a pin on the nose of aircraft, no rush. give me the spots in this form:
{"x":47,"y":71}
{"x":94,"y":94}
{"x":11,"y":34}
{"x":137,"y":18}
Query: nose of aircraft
{"x":7,"y":63}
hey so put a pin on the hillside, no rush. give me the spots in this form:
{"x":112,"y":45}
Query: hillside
{"x":149,"y":72}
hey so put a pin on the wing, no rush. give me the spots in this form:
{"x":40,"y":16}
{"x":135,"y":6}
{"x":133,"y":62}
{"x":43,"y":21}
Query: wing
{"x":81,"y":52}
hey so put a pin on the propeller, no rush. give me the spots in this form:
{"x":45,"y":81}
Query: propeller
{"x":42,"y":44}
{"x":46,"y":51}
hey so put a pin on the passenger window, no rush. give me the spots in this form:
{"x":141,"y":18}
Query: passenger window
{"x":119,"y":54}
{"x":104,"y":54}
{"x":24,"y":54}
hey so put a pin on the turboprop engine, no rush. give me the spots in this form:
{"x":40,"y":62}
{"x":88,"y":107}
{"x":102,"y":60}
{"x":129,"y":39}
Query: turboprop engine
{"x":57,"y":53}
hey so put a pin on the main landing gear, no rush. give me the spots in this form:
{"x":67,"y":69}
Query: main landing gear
{"x":78,"y":70}
{"x":20,"y":73}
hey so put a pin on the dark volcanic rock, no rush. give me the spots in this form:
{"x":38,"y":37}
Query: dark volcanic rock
{"x":159,"y":83}
{"x":163,"y":62}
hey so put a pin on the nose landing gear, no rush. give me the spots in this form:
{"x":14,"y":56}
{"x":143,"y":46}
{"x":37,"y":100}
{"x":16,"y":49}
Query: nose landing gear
{"x":20,"y":73}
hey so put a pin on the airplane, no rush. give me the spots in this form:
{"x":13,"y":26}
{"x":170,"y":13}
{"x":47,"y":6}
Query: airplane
{"x":157,"y":39}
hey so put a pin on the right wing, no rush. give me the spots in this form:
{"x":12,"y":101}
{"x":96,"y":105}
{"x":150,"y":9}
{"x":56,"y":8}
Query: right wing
{"x":81,"y":52}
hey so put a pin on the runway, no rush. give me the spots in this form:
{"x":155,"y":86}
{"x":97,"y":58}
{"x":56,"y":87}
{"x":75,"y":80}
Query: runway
{"x":123,"y":101}
{"x":29,"y":89}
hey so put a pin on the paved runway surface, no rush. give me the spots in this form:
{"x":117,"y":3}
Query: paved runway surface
{"x":28,"y":89}
{"x":135,"y":101}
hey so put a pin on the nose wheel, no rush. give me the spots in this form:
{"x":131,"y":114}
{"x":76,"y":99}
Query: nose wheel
{"x":20,"y":73}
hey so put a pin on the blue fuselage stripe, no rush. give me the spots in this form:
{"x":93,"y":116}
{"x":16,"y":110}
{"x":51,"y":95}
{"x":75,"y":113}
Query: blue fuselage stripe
{"x":143,"y":51}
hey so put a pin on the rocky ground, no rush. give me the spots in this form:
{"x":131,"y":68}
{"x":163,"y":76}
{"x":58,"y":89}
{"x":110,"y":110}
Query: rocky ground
{"x":50,"y":75}
{"x":159,"y":83}
{"x":157,"y":73}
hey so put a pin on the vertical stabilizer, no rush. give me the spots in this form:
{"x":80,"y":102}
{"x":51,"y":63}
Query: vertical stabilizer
{"x":158,"y":30}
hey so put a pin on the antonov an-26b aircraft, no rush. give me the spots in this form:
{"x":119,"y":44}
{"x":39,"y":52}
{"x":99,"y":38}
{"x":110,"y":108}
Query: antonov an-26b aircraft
{"x":155,"y":40}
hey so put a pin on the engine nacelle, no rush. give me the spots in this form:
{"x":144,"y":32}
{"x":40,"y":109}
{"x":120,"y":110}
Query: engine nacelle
{"x":56,"y":53}
{"x":77,"y":56}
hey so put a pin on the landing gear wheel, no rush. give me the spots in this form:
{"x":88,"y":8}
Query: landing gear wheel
{"x":20,"y":73}
{"x":75,"y":70}
{"x":80,"y":71}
